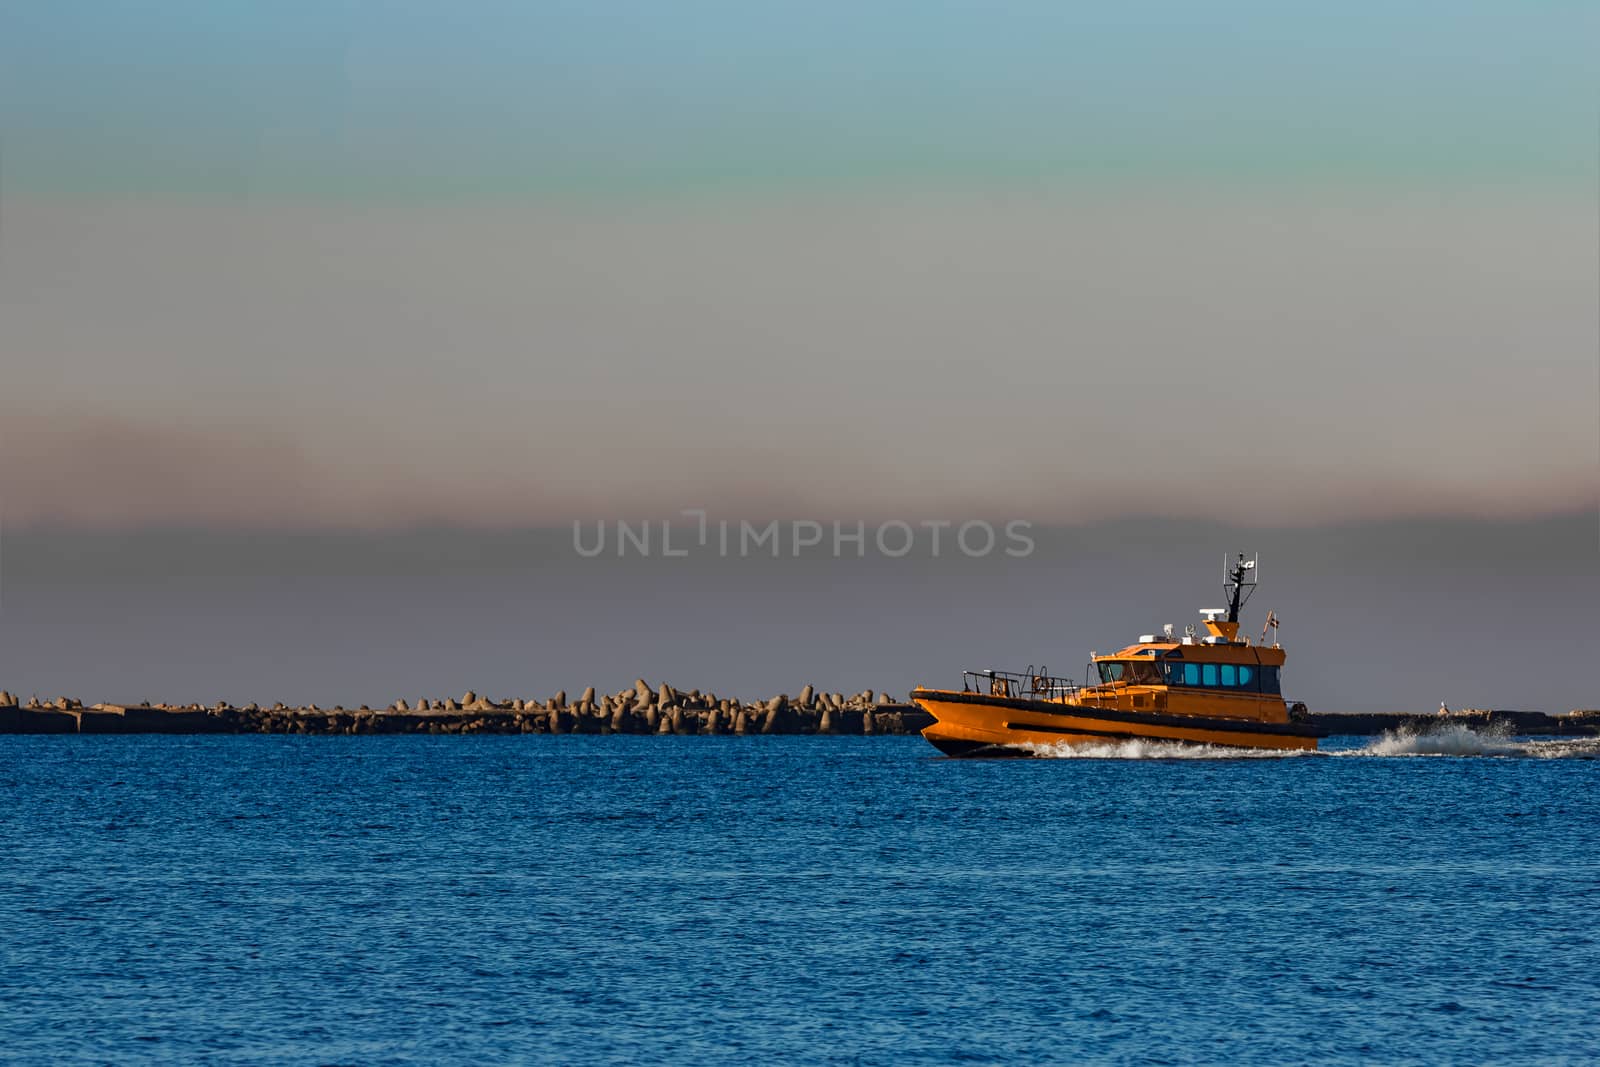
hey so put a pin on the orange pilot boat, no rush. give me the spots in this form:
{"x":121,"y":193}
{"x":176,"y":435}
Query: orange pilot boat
{"x":1212,"y":689}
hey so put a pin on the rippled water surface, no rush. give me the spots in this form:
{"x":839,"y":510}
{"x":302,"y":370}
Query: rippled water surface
{"x":723,"y":900}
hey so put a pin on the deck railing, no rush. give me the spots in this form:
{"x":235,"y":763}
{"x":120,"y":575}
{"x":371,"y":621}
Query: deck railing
{"x":1031,"y":684}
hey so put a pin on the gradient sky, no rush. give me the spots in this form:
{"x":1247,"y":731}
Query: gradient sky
{"x":374,"y":264}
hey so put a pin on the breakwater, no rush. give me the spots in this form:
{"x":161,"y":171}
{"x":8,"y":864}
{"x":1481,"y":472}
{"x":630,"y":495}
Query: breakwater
{"x":641,"y":709}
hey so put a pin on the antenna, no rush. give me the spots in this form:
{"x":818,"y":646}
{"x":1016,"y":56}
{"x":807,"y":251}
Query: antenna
{"x":1239,"y":582}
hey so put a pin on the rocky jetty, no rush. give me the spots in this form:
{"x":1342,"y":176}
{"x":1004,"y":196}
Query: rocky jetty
{"x":639,"y":709}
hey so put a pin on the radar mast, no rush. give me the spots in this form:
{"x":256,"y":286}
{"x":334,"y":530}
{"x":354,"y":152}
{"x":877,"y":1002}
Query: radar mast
{"x":1238,"y":581}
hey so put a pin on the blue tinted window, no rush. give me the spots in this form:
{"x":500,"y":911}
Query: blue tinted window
{"x":1191,"y":674}
{"x":1208,"y":673}
{"x":1174,"y":672}
{"x":1229,"y":677}
{"x":1247,"y":677}
{"x":1269,"y":679}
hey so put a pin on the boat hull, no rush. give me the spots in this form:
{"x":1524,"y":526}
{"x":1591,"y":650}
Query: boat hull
{"x":978,"y":724}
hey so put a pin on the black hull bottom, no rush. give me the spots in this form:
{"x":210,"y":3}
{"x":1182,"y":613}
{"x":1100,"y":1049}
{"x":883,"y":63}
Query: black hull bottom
{"x":976,"y":749}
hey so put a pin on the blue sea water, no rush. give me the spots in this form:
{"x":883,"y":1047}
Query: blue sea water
{"x":810,"y":900}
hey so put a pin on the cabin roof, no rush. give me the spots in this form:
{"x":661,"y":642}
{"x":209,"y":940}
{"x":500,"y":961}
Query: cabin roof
{"x":1229,"y":653}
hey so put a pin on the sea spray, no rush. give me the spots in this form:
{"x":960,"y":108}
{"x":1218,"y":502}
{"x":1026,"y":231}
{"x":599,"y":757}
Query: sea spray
{"x":1139,"y":749}
{"x":1447,"y":739}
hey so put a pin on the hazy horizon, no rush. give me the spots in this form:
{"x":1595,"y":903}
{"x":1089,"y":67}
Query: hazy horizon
{"x":1392,"y":616}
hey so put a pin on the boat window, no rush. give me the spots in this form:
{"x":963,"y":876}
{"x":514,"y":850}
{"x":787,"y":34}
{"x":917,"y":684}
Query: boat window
{"x":1215,"y":675}
{"x":1143,"y":672}
{"x":1110,"y":672}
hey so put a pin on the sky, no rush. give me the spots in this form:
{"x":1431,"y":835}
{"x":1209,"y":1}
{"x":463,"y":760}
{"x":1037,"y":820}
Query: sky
{"x":1377,"y":616}
{"x":360,"y":269}
{"x":351,"y":264}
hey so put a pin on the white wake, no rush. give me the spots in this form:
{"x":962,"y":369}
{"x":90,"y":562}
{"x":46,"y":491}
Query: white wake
{"x":1138,"y":749}
{"x":1450,"y":739}
{"x":1447,"y":740}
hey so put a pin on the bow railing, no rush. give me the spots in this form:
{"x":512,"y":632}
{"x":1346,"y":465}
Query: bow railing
{"x":1031,"y":684}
